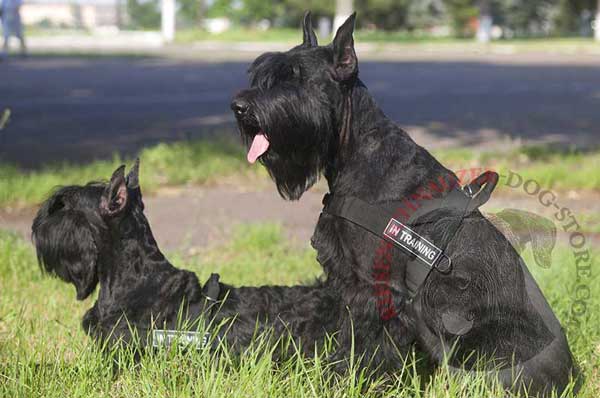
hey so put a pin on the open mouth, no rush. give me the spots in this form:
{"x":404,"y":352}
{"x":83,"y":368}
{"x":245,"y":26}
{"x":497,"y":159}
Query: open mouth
{"x":257,"y":140}
{"x":259,"y":146}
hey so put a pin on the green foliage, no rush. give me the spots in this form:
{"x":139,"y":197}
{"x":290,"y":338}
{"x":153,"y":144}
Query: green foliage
{"x":426,"y":14}
{"x":521,"y":18}
{"x":190,"y":12}
{"x":256,"y":10}
{"x":220,"y":8}
{"x":461,"y":13}
{"x":551,"y":168}
{"x":567,"y":20}
{"x":524,"y":18}
{"x":383,"y":14}
{"x":44,"y":352}
{"x":144,"y":14}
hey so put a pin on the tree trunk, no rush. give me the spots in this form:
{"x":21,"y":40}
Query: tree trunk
{"x":168,"y":20}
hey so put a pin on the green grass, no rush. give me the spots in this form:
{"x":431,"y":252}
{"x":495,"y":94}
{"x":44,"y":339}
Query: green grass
{"x":197,"y":162}
{"x":286,"y":35}
{"x":206,"y":161}
{"x":44,"y":353}
{"x":551,"y":168}
{"x":240,"y":35}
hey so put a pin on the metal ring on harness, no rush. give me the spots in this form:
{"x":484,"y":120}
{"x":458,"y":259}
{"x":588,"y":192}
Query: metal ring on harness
{"x":480,"y":189}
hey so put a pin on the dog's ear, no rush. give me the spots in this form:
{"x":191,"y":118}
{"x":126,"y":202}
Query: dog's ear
{"x":65,"y":246}
{"x":345,"y":62}
{"x":115,"y":196}
{"x":133,"y":178}
{"x":309,"y":39}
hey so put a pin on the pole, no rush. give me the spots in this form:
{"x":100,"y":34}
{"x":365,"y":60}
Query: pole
{"x":597,"y":22}
{"x":343,"y":9}
{"x":168,"y":20}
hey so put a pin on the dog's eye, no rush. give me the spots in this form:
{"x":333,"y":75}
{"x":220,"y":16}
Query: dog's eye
{"x":57,"y":205}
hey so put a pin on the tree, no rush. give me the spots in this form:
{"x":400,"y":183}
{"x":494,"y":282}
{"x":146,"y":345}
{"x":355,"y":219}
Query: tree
{"x":144,"y":14}
{"x":192,"y":11}
{"x":462,"y":13}
{"x":525,"y":18}
{"x":568,"y":19}
{"x":426,"y":14}
{"x":383,"y":14}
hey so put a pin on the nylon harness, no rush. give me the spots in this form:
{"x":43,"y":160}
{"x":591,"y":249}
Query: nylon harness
{"x":418,"y":209}
{"x":206,"y":307}
{"x":384,"y":221}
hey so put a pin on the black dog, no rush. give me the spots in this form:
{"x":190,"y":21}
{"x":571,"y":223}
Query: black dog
{"x":307,"y":114}
{"x":98,"y":234}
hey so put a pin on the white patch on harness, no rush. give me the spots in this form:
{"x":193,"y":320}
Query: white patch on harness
{"x":412,"y":242}
{"x":167,"y":337}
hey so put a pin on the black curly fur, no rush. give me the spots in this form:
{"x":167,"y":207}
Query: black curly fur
{"x":98,"y":234}
{"x":320,"y":119}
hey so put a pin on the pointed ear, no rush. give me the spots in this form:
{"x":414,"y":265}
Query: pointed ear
{"x":309,"y":39}
{"x":344,"y":56}
{"x":114,"y":198}
{"x":133,"y":178}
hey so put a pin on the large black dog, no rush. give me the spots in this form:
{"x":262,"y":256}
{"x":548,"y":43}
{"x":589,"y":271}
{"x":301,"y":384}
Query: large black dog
{"x":98,"y":234}
{"x":307,"y":114}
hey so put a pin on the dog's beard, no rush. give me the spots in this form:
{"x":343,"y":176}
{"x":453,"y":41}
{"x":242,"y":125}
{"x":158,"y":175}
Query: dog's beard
{"x":297,"y":128}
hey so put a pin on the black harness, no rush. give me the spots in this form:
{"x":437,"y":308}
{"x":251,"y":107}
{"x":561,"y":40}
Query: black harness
{"x":206,"y":308}
{"x":396,"y":221}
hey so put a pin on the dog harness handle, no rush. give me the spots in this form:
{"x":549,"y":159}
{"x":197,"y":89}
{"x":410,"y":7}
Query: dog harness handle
{"x":383,"y":222}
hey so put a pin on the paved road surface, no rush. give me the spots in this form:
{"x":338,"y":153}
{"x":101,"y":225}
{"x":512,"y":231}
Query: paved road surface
{"x":82,"y":108}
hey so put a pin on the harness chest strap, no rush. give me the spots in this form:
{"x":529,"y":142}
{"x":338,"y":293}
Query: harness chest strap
{"x":425,"y":255}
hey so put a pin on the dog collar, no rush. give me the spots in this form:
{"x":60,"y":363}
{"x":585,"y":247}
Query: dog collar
{"x":397,"y":221}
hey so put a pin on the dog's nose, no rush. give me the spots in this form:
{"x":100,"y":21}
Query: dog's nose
{"x":239,"y":106}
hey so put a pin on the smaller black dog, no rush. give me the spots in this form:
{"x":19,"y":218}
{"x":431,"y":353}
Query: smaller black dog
{"x":98,"y":234}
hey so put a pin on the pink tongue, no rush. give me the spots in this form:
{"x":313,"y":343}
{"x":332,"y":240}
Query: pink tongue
{"x":260,"y":144}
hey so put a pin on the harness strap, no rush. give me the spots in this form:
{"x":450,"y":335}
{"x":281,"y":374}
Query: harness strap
{"x":385,"y":223}
{"x":207,"y":307}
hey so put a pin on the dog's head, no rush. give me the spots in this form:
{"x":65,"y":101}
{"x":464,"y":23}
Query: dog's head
{"x":72,"y":227}
{"x":291,"y":115}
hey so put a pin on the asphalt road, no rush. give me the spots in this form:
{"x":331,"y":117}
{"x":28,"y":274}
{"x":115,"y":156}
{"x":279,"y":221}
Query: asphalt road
{"x":66,"y":108}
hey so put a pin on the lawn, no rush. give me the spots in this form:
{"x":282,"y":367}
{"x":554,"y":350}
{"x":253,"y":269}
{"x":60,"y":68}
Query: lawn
{"x":197,"y":162}
{"x":44,"y":353}
{"x":204,"y":162}
{"x":554,"y":45}
{"x":552,"y":168}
